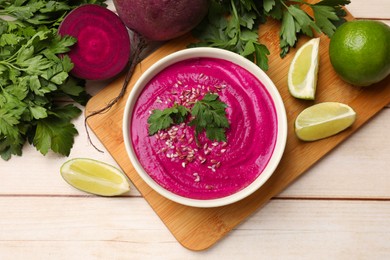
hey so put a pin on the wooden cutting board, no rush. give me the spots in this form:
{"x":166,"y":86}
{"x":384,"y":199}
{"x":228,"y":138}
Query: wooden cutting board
{"x":198,"y":228}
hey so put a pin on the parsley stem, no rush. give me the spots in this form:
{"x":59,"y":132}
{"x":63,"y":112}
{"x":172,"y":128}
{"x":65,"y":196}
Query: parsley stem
{"x":10,"y":65}
{"x":235,"y":14}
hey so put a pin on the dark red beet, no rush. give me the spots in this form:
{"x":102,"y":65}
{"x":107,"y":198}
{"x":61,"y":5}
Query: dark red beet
{"x":103,"y":44}
{"x":160,"y":20}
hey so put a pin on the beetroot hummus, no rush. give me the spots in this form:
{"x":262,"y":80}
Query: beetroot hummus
{"x":205,"y":169}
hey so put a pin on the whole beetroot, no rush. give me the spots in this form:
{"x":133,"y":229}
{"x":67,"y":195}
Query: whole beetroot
{"x":160,"y":20}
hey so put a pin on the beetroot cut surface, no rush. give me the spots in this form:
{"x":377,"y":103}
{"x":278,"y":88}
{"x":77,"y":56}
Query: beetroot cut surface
{"x":102,"y":50}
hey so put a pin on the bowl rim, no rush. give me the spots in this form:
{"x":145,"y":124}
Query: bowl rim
{"x":207,"y":52}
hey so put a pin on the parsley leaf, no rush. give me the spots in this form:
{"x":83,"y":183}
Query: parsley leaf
{"x":55,"y":133}
{"x":163,"y":119}
{"x":210,"y":116}
{"x":328,"y":14}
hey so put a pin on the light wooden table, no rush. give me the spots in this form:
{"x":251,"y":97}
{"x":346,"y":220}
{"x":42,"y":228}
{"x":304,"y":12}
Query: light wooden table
{"x":340,"y":209}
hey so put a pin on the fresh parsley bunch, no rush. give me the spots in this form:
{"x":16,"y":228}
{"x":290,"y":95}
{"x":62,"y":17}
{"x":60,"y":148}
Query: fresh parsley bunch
{"x":34,"y":75}
{"x":233,"y":24}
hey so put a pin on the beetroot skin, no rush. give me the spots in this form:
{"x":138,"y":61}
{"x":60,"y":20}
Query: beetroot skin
{"x":160,"y":20}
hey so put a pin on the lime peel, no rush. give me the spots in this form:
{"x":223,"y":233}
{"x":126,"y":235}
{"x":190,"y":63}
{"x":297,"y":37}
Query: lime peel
{"x":95,"y":177}
{"x":359,"y":52}
{"x":323,"y":120}
{"x":303,"y":71}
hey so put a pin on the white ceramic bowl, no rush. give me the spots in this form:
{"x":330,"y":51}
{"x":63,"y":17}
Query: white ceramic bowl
{"x":210,"y":53}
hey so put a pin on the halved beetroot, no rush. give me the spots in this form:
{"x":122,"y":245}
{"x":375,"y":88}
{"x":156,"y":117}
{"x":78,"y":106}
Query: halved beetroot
{"x":103,"y":44}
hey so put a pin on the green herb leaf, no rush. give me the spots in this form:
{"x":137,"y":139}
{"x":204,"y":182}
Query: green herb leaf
{"x":210,"y":116}
{"x":268,"y":5}
{"x":328,"y":14}
{"x":38,"y":112}
{"x":163,"y":119}
{"x":287,"y":30}
{"x":11,"y":112}
{"x":56,"y":132}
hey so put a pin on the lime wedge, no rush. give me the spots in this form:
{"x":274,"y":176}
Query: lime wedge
{"x":302,"y":74}
{"x":323,"y":120}
{"x":94,"y":177}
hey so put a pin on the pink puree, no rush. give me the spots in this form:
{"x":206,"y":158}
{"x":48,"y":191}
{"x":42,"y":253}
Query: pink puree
{"x":213,"y":169}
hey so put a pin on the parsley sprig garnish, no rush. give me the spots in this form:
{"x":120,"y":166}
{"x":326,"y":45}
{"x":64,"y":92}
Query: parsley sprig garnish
{"x":34,"y":75}
{"x":163,"y":119}
{"x":233,"y":24}
{"x":207,"y":115}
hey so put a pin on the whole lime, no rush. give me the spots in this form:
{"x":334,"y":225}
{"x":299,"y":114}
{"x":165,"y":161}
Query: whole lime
{"x":359,"y":51}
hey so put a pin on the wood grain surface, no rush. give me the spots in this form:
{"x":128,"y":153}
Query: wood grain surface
{"x":196,"y":228}
{"x":338,"y":209}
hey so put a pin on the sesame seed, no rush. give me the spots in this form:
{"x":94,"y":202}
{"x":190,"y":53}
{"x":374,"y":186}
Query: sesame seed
{"x":217,"y":165}
{"x":201,"y":159}
{"x":211,"y":167}
{"x":197,"y":177}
